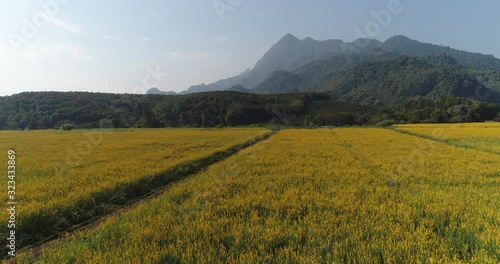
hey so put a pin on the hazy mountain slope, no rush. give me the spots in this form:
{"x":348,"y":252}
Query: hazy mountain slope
{"x":155,"y":90}
{"x":287,"y":54}
{"x":381,"y":78}
{"x":410,"y":47}
{"x":279,"y":82}
{"x":317,"y":61}
{"x":219,"y":85}
{"x":312,"y":76}
{"x":238,"y":88}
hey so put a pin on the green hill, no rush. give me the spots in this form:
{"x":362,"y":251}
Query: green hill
{"x":410,"y":47}
{"x":42,"y":110}
{"x":48,"y":110}
{"x":385,"y":78}
{"x":392,"y":81}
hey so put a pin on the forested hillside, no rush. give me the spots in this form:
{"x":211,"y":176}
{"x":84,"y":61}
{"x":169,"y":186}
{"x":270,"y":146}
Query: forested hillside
{"x":392,"y":81}
{"x":410,"y":47}
{"x":95,"y":110}
{"x":382,"y":78}
{"x":47,"y":110}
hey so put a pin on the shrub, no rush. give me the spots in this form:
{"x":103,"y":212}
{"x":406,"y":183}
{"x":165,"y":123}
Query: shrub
{"x":68,"y":127}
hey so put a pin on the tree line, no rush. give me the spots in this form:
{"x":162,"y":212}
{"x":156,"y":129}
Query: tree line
{"x":53,"y":110}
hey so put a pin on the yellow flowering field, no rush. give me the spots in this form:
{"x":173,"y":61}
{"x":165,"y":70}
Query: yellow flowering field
{"x":483,"y":136}
{"x":66,"y":177}
{"x":361,"y":195}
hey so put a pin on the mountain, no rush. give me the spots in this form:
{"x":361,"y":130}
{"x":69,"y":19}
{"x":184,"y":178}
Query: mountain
{"x":219,"y":85}
{"x":389,"y":82}
{"x":155,"y":90}
{"x":291,"y":53}
{"x":410,"y":47}
{"x":288,"y":54}
{"x":239,"y":88}
{"x":311,"y":76}
{"x":278,"y":83}
{"x":382,"y":78}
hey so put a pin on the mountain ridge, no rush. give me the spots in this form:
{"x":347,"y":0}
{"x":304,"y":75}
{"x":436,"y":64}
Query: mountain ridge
{"x":291,"y":53}
{"x":287,"y":54}
{"x":382,"y":78}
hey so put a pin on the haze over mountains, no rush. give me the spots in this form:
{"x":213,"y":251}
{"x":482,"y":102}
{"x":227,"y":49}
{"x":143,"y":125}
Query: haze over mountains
{"x":366,"y":71}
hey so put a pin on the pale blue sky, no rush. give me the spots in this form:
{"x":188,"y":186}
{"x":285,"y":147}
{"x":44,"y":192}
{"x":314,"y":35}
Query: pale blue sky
{"x":125,"y":46}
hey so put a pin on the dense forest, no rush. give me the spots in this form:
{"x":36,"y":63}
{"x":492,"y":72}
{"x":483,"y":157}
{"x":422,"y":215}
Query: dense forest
{"x":392,"y":81}
{"x":39,"y":110}
{"x":439,"y":110}
{"x":49,"y":110}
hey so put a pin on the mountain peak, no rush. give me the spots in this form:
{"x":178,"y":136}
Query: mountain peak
{"x":288,"y":38}
{"x":366,"y":43}
{"x":155,"y":90}
{"x":398,"y":39}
